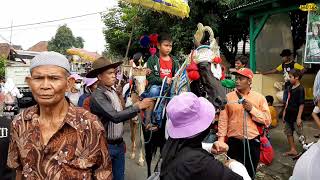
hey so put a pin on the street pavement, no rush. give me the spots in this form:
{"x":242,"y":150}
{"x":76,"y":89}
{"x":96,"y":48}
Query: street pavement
{"x":133,"y":171}
{"x":280,"y":169}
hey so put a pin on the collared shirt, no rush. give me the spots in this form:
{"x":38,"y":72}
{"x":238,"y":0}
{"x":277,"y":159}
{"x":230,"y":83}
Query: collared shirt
{"x":78,"y":150}
{"x":231,"y":119}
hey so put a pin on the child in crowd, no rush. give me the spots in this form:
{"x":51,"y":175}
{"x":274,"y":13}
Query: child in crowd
{"x":273,"y":111}
{"x":293,"y":110}
{"x":162,"y":66}
{"x":240,"y":62}
{"x":286,"y":66}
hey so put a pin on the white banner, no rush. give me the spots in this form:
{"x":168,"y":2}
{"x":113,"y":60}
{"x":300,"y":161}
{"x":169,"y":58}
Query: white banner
{"x":312,"y":51}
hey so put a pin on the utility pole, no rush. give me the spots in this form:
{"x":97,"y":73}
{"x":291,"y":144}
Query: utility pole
{"x":11,"y":32}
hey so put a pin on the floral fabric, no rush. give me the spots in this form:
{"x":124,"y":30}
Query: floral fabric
{"x":78,"y":150}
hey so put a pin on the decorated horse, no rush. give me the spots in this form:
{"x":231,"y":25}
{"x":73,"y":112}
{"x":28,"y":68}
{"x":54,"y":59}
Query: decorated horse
{"x":200,"y":73}
{"x":137,"y":84}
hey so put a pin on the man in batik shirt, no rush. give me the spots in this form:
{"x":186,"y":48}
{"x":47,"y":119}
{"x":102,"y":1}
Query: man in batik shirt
{"x":54,"y":139}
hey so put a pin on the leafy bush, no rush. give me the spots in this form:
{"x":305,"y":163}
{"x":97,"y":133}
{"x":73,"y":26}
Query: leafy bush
{"x":3,"y":62}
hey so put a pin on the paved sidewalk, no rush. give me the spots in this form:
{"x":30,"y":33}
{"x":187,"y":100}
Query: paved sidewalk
{"x":282,"y":167}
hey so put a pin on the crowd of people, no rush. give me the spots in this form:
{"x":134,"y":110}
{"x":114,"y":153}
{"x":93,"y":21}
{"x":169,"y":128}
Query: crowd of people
{"x":76,"y":132}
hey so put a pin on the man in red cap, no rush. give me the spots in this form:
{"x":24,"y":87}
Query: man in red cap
{"x":239,"y":121}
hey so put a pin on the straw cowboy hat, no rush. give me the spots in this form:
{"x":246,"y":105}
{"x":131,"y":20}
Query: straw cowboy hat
{"x":100,"y":65}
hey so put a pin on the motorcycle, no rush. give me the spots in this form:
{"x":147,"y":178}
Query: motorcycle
{"x":11,"y":94}
{"x":10,"y":110}
{"x":305,"y":146}
{"x":10,"y":107}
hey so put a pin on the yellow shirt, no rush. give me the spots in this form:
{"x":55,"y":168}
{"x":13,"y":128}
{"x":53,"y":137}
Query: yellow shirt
{"x":296,"y":66}
{"x":274,"y":119}
{"x":231,"y":118}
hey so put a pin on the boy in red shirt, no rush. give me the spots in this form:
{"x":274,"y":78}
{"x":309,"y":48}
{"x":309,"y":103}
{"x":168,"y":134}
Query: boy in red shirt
{"x":161,"y":65}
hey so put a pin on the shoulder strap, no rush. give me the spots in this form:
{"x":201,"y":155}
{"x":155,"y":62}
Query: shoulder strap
{"x":239,"y":95}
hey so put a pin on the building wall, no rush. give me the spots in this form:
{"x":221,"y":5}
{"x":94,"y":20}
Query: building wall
{"x":264,"y":83}
{"x":275,"y":36}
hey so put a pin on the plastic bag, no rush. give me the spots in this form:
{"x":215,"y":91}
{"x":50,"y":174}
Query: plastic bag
{"x":266,"y":151}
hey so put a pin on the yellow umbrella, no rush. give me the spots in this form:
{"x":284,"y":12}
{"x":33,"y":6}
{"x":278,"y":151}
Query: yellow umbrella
{"x":178,"y":8}
{"x":86,"y":55}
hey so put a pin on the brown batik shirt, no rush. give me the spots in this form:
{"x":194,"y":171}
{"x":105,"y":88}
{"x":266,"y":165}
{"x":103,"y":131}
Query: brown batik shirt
{"x":78,"y":150}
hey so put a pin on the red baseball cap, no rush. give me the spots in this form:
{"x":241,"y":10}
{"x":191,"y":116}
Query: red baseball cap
{"x":244,"y":72}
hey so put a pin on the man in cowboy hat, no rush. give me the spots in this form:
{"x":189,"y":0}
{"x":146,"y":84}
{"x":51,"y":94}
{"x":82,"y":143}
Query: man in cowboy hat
{"x":106,"y":104}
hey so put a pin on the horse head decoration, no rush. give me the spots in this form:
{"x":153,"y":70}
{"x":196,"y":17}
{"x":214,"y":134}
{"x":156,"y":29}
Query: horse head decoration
{"x":204,"y":61}
{"x":138,"y":73}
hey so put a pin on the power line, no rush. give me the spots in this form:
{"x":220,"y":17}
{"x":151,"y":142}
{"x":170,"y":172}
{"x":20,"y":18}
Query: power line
{"x":42,"y":26}
{"x":44,"y":22}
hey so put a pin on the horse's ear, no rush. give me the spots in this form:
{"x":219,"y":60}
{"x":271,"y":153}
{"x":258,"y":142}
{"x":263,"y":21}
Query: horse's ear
{"x":134,"y":64}
{"x":145,"y":65}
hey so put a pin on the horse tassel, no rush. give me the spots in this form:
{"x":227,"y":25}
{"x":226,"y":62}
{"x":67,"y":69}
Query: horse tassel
{"x":193,"y":71}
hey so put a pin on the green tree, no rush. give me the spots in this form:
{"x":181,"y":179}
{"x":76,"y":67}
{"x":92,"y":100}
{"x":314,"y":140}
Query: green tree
{"x":122,"y":20}
{"x":78,"y":42}
{"x":3,"y":61}
{"x":64,"y":40}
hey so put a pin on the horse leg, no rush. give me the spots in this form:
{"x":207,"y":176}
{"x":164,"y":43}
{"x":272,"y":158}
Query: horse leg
{"x":133,"y":137}
{"x":148,"y":150}
{"x":141,"y":158}
{"x":133,"y":127}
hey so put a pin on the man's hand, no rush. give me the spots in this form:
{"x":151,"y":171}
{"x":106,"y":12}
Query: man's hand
{"x":283,"y":115}
{"x":247,"y":105}
{"x":169,"y":81}
{"x":119,"y":89}
{"x":232,"y":70}
{"x":148,"y":71}
{"x":145,"y":103}
{"x":228,"y":162}
{"x":299,"y":122}
{"x":219,"y":147}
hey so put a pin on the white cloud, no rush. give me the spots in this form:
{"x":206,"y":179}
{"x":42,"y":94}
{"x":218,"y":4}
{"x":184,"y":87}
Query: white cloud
{"x":33,"y":11}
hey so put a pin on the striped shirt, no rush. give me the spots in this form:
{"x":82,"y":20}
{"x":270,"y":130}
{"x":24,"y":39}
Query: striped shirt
{"x":114,"y":131}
